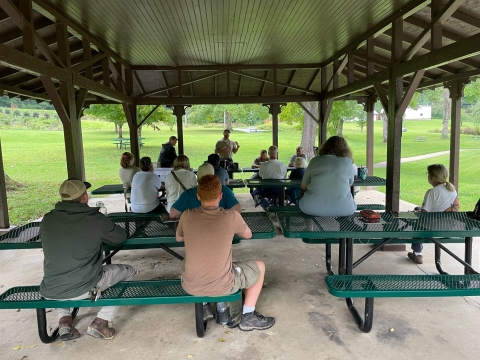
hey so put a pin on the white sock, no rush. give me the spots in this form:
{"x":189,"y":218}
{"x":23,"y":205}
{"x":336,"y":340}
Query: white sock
{"x":417,"y":254}
{"x":248,"y":309}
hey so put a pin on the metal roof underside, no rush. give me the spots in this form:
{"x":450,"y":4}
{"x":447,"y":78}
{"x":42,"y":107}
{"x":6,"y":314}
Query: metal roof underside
{"x":229,"y":51}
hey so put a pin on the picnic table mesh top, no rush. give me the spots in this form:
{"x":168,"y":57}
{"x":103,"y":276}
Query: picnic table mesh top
{"x":438,"y":284}
{"x":370,"y":181}
{"x":138,"y":226}
{"x":109,"y":189}
{"x":300,"y":225}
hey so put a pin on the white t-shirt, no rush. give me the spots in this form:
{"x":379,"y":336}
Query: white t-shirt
{"x":273,"y":169}
{"x":126,"y":175}
{"x":174,"y":189}
{"x":438,"y":199}
{"x":144,"y":196}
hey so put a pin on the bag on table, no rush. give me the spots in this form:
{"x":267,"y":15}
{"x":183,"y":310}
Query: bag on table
{"x":370,"y":215}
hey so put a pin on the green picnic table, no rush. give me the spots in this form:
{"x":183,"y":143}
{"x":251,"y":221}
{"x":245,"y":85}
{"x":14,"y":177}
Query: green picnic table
{"x":124,"y":142}
{"x":438,"y":228}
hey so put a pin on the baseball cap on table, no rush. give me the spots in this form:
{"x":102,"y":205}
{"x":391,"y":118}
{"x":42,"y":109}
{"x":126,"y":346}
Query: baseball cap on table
{"x":72,"y":189}
{"x":205,"y":169}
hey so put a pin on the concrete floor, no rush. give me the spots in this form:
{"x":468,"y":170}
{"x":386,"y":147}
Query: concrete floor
{"x":310,"y":323}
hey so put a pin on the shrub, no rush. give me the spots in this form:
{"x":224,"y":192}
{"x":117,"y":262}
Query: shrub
{"x":8,"y":111}
{"x":470,"y":131}
{"x":46,"y":115}
{"x":1,"y":110}
{"x":26,"y":114}
{"x":17,"y":112}
{"x":36,"y":114}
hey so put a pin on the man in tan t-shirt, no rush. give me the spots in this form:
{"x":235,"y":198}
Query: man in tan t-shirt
{"x":225,"y":148}
{"x":208,"y":232}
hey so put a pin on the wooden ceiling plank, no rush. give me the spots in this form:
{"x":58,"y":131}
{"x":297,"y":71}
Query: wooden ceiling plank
{"x":275,"y":82}
{"x":170,"y":87}
{"x":139,"y":83}
{"x":466,"y":18}
{"x":292,"y":75}
{"x":444,"y":14}
{"x":165,"y":82}
{"x":405,"y":11}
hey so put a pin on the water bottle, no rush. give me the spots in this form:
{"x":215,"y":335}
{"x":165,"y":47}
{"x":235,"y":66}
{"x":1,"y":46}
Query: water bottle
{"x":222,"y":313}
{"x":102,"y":207}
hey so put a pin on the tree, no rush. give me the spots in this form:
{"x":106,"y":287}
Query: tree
{"x":250,"y":114}
{"x":294,"y":115}
{"x":447,"y":105}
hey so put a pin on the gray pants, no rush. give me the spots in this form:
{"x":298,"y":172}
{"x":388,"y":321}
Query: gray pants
{"x":112,"y":274}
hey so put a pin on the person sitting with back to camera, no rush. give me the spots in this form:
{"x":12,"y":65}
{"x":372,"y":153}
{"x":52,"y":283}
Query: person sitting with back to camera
{"x":442,"y":198}
{"x":179,"y":179}
{"x":327,"y":181}
{"x":214,"y":160}
{"x":189,"y":199}
{"x":272,"y":169}
{"x":297,"y":174}
{"x":145,"y":187}
{"x":299,"y":153}
{"x":207,"y":232}
{"x":127,"y":170}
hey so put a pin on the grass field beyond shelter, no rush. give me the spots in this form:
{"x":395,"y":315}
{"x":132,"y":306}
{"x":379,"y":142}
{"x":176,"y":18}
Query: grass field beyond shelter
{"x":36,"y":159}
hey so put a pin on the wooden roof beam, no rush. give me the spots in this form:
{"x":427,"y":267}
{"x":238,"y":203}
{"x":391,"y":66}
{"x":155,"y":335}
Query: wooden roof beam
{"x":186,"y":100}
{"x":21,"y":92}
{"x":444,"y":55}
{"x":53,"y":14}
{"x":444,"y":14}
{"x":409,"y":9}
{"x":17,"y":34}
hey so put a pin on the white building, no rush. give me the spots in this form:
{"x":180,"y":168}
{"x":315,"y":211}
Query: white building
{"x":423,"y":112}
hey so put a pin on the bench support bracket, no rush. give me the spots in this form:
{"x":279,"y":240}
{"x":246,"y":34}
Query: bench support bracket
{"x":364,"y":325}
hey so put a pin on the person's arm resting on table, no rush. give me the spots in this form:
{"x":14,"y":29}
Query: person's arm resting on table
{"x":111,"y":233}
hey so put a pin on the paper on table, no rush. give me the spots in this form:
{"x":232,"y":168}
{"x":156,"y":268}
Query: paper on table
{"x":405,"y":215}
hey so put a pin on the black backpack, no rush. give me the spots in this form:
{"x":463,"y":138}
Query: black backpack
{"x":475,"y":214}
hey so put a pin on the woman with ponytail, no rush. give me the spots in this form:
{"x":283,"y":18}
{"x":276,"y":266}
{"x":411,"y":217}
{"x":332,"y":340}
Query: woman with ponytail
{"x":127,"y":169}
{"x":441,"y":198}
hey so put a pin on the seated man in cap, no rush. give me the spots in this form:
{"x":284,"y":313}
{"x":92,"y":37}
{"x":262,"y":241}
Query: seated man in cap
{"x":189,"y":200}
{"x":214,"y":160}
{"x":72,"y":236}
{"x":207,"y":232}
{"x":167,"y":153}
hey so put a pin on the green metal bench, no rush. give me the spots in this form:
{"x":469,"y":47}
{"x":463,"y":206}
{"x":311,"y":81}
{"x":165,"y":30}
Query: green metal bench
{"x":149,"y":292}
{"x":389,"y":286}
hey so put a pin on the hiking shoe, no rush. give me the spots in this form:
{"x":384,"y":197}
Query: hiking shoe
{"x":66,"y":330}
{"x":255,"y":321}
{"x":417,"y":258}
{"x":99,"y":328}
{"x":207,"y":313}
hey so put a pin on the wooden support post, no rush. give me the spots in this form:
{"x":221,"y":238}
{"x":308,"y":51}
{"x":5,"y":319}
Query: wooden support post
{"x":4,"y":219}
{"x":369,"y":108}
{"x":394,"y":142}
{"x":456,"y":93}
{"x":179,"y":111}
{"x":325,"y":107}
{"x":131,"y":116}
{"x":274,"y":110}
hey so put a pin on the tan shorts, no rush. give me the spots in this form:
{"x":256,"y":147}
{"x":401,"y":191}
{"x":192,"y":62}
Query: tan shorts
{"x":247,"y":274}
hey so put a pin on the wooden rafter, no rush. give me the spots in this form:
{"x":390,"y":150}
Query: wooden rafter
{"x":18,"y":91}
{"x":80,"y":66}
{"x":170,"y":87}
{"x":292,"y":75}
{"x":139,"y":83}
{"x":277,"y":83}
{"x":439,"y":19}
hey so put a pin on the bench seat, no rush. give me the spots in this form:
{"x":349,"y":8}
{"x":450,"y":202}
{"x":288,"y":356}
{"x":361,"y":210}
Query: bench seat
{"x":389,"y":286}
{"x":147,"y":292}
{"x":360,"y":207}
{"x":365,"y":286}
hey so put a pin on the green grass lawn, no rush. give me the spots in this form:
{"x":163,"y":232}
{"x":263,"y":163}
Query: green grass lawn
{"x":37,"y":159}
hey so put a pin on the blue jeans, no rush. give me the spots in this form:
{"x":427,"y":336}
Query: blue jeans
{"x":417,"y":247}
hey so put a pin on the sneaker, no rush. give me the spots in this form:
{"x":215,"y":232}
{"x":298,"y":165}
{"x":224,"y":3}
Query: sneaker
{"x":66,"y":330}
{"x":417,"y":258}
{"x":207,"y":313}
{"x":99,"y":328}
{"x":255,"y":321}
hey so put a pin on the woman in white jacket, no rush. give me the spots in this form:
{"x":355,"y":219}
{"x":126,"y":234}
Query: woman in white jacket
{"x":180,"y":179}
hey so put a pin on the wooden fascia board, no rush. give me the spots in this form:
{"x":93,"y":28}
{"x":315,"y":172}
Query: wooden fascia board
{"x":435,"y":82}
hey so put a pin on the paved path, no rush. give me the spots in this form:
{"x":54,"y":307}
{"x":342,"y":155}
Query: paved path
{"x":413,"y":158}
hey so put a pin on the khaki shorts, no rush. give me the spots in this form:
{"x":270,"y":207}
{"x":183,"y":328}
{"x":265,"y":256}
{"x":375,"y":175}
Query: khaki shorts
{"x":247,"y":274}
